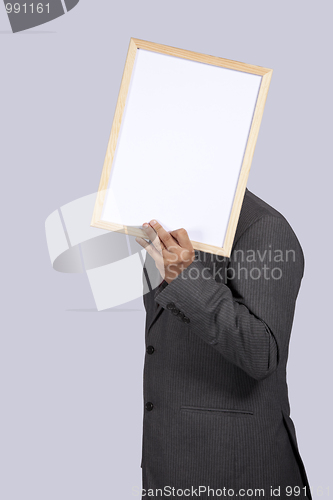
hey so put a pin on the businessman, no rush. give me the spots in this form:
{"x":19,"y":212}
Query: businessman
{"x":216,"y":408}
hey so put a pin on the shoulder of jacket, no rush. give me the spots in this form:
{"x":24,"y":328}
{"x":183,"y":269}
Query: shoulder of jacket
{"x":255,"y":209}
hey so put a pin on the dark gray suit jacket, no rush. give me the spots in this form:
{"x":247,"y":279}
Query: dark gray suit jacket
{"x":215,"y":392}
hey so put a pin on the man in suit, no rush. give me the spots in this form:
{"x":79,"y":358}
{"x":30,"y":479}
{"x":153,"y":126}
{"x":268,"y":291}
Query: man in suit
{"x":216,"y":418}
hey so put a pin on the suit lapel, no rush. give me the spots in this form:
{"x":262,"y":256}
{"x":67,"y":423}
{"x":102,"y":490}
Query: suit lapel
{"x":157,"y":308}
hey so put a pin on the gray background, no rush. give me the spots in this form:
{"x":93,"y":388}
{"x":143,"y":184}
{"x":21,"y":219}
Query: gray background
{"x":71,"y":395}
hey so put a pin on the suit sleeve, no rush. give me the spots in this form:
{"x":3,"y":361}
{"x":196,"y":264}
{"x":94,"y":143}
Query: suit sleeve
{"x":247,"y":316}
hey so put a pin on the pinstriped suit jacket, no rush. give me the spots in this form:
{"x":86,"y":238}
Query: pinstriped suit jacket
{"x":216,"y":411}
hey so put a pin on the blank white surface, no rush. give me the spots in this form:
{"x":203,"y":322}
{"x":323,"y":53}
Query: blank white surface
{"x":181,"y":145}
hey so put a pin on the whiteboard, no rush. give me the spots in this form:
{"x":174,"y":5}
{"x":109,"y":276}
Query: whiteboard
{"x":180,"y":147}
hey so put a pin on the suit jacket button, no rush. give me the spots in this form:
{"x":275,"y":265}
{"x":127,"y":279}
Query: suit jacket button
{"x":186,"y":319}
{"x":150,"y":349}
{"x":171,"y":306}
{"x":181,"y":316}
{"x":175,"y":311}
{"x":149,"y":406}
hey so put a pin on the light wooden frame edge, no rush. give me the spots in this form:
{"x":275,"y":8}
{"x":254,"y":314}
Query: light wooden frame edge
{"x":266,"y":75}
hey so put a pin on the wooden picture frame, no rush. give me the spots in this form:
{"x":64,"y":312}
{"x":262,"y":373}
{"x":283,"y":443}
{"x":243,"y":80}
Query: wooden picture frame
{"x":265,"y":75}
